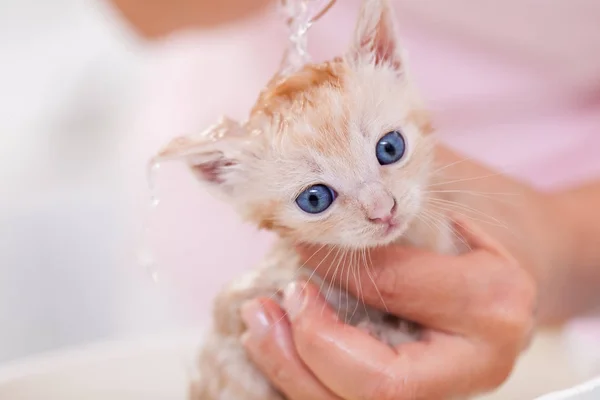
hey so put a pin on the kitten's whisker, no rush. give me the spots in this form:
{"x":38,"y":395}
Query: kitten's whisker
{"x":443,"y":212}
{"x":298,"y":270}
{"x":362,"y":296}
{"x":451,"y":164}
{"x":485,"y":195}
{"x":318,"y":265}
{"x":464,"y":207}
{"x":331,"y":283}
{"x":458,"y":207}
{"x":421,"y":217}
{"x":443,"y":217}
{"x":342,"y":270}
{"x":310,"y":258}
{"x":334,"y":261}
{"x":375,"y":284}
{"x":474,"y":192}
{"x":353,"y":264}
{"x":440,"y":222}
{"x":464,"y":180}
{"x":347,"y":268}
{"x":500,"y":225}
{"x":278,"y":321}
{"x":357,"y":281}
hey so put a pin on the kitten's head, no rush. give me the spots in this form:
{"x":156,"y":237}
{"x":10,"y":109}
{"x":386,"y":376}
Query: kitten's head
{"x":337,"y":153}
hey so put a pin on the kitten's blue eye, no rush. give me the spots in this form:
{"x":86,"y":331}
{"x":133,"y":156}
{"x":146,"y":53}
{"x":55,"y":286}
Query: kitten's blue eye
{"x":316,"y":199}
{"x":390,"y":148}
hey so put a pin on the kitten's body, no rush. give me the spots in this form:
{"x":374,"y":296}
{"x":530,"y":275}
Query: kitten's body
{"x":319,"y":126}
{"x":224,"y":370}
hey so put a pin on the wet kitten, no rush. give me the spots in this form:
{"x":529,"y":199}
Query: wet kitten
{"x":339,"y":154}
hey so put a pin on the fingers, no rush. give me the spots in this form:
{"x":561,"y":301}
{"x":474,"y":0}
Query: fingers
{"x":477,"y":238}
{"x":328,"y":346}
{"x":268,"y":343}
{"x":426,"y":288}
{"x":508,"y":292}
{"x":354,"y":365}
{"x":440,"y":291}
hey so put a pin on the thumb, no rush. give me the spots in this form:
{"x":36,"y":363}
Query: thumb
{"x":302,"y":298}
{"x":313,"y":320}
{"x":341,"y":356}
{"x":476,"y":238}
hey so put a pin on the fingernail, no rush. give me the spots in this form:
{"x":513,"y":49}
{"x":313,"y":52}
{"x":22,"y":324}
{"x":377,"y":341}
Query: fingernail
{"x":293,"y":299}
{"x":255,"y":318}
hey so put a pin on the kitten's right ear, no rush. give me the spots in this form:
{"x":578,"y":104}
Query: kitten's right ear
{"x":375,"y":37}
{"x":215,"y":156}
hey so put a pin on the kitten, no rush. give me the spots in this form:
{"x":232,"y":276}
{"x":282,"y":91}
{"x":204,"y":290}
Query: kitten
{"x":338,"y":153}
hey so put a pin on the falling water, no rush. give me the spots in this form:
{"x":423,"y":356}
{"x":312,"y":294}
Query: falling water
{"x":300,"y":15}
{"x":151,"y":177}
{"x":145,"y":256}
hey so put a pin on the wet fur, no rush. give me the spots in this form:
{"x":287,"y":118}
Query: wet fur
{"x":319,"y":125}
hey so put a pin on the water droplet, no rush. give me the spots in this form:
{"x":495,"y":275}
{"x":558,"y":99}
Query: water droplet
{"x":153,"y":271}
{"x":145,"y":257}
{"x":154,"y":201}
{"x":146,"y":261}
{"x":151,"y":177}
{"x":300,"y":15}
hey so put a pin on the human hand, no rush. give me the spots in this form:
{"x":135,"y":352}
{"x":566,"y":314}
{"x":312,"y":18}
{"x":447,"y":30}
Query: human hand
{"x":477,"y":310}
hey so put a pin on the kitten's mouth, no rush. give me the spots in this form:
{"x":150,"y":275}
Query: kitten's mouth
{"x":390,"y":228}
{"x":393,"y":229}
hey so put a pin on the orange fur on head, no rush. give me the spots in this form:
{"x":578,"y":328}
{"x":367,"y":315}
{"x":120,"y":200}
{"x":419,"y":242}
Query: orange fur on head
{"x":296,"y":89}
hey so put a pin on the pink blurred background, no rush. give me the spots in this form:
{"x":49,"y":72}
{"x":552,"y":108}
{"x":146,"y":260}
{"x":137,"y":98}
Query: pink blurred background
{"x":489,"y":104}
{"x":498,"y":91}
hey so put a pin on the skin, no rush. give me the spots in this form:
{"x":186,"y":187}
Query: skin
{"x":478,"y":319}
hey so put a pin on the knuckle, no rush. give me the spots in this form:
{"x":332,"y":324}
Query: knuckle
{"x":387,"y":281}
{"x":492,"y":367}
{"x":280,"y":375}
{"x":266,"y":347}
{"x":522,"y":303}
{"x":496,"y":374}
{"x":510,"y":312}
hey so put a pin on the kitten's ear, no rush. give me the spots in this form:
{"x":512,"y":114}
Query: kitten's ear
{"x":215,"y":156}
{"x":375,"y":37}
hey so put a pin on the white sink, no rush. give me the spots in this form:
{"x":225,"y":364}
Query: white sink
{"x":159,"y":368}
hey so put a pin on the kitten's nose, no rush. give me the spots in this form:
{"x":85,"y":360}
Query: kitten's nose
{"x":384,"y":212}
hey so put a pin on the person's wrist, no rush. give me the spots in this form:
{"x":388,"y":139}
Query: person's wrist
{"x":558,"y":282}
{"x":566,"y":228}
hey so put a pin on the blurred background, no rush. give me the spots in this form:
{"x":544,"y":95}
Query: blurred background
{"x":90,"y":89}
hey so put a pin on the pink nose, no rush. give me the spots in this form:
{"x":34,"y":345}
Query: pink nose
{"x":384,"y":216}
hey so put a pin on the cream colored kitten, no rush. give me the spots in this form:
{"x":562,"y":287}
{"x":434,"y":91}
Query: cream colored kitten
{"x":337,"y":154}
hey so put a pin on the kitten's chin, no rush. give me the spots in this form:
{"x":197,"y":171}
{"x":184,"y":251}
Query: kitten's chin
{"x":391,"y":233}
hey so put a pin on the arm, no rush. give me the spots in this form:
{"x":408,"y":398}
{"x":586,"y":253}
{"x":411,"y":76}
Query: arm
{"x":556,"y":236}
{"x":574,"y":285}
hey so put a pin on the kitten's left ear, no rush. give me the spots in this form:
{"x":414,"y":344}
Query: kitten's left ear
{"x":375,"y":37}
